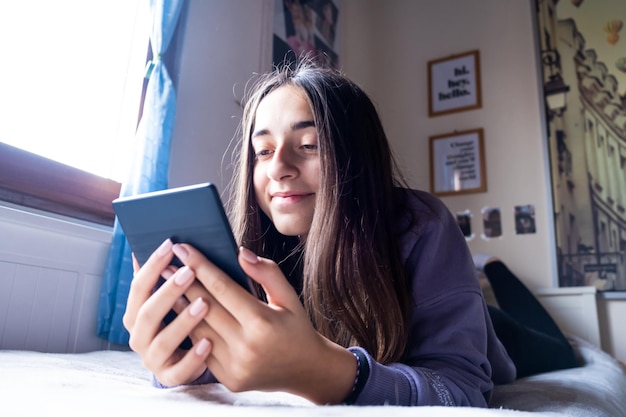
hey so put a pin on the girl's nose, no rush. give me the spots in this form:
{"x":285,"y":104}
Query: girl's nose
{"x":282,"y":165}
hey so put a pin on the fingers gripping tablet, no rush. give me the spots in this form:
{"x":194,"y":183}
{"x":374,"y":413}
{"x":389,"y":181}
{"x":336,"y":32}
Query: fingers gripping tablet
{"x":192,"y":214}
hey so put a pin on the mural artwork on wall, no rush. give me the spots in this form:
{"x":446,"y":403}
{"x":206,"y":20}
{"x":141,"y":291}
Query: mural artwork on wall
{"x":583,"y":58}
{"x":306,"y":27}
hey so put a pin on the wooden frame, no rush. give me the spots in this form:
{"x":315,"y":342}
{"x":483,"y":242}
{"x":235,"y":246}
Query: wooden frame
{"x":454,"y":84}
{"x":33,"y":181}
{"x":457,"y":163}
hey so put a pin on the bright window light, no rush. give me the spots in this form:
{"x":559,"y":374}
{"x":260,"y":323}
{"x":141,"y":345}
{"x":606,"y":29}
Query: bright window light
{"x":71,"y":80}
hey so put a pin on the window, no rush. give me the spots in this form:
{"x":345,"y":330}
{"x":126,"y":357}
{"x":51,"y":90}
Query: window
{"x":72,"y":78}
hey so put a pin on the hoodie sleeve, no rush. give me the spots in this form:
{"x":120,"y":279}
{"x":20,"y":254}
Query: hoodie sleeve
{"x":446,"y":362}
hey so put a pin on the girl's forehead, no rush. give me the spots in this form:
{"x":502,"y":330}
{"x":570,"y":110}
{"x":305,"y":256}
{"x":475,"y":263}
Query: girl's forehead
{"x":283,"y":102}
{"x":285,"y":91}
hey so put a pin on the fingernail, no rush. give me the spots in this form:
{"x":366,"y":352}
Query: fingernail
{"x":202,"y":347}
{"x":180,"y":252}
{"x":248,"y":255}
{"x":167,"y":273}
{"x":197,"y":307}
{"x":164,"y":248}
{"x":183,"y":276}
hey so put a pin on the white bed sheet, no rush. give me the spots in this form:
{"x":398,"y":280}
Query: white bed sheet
{"x":107,"y":383}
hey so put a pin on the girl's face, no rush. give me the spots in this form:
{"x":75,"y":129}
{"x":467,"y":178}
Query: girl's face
{"x":287,"y":167}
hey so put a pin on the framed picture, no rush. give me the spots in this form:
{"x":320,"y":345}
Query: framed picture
{"x":454,"y":84}
{"x":457,"y":163}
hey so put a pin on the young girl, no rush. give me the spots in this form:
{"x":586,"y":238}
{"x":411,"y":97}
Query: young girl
{"x":367,"y":289}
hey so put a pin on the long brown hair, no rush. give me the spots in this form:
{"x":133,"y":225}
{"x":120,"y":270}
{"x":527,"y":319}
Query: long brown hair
{"x":349,"y":269}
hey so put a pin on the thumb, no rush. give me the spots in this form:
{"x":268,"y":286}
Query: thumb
{"x":267,"y":273}
{"x":135,"y":263}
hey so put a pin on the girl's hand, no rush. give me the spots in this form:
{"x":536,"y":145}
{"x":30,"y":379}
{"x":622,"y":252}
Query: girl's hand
{"x":156,"y":343}
{"x":259,"y":346}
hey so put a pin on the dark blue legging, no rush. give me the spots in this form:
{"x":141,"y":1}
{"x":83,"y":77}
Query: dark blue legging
{"x":531,"y":337}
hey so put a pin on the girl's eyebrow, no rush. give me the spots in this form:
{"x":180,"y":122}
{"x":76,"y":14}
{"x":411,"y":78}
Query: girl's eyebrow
{"x":303,"y":124}
{"x":261,"y":132}
{"x":295,"y":126}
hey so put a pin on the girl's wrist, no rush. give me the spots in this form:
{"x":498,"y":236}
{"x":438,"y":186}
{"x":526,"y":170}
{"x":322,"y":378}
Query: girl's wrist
{"x":332,"y":382}
{"x":362,"y":374}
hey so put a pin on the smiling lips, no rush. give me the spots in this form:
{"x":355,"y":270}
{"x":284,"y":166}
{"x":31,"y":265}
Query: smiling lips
{"x":288,"y":198}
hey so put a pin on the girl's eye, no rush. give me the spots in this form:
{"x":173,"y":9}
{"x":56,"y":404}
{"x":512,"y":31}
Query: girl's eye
{"x":310,"y":147}
{"x":262,"y":153}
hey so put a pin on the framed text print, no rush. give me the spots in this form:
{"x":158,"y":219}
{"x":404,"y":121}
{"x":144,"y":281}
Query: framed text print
{"x":457,"y":163}
{"x":454,"y":84}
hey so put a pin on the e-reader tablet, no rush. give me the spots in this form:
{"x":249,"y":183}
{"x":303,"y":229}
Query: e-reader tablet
{"x":193,"y":214}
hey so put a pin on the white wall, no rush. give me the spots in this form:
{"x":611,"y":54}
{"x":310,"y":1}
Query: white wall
{"x":412,"y":33}
{"x":225,"y":43}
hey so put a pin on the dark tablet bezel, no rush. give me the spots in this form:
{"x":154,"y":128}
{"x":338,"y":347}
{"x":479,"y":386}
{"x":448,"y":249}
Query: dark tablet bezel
{"x":192,"y":214}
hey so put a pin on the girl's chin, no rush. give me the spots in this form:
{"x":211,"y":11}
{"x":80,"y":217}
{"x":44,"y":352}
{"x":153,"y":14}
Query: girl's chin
{"x":288,"y":228}
{"x":291,"y":232}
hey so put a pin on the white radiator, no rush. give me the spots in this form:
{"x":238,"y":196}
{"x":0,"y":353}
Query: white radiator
{"x":50,"y":275}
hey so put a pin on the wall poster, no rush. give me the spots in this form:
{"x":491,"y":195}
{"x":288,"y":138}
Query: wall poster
{"x":454,"y":84}
{"x":583,"y":55}
{"x":457,"y":163}
{"x":306,"y":27}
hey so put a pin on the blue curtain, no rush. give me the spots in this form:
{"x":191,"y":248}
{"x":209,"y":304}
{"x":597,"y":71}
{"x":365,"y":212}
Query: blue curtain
{"x":149,"y":171}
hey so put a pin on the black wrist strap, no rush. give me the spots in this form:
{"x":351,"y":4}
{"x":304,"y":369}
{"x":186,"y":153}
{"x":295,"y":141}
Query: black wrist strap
{"x":362,"y":374}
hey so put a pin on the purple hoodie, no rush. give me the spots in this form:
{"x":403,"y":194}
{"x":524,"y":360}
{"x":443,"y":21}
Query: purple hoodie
{"x":453,"y":357}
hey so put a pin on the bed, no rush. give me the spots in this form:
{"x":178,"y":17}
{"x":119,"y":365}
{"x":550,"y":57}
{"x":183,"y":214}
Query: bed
{"x":106,"y":383}
{"x":112,"y":382}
